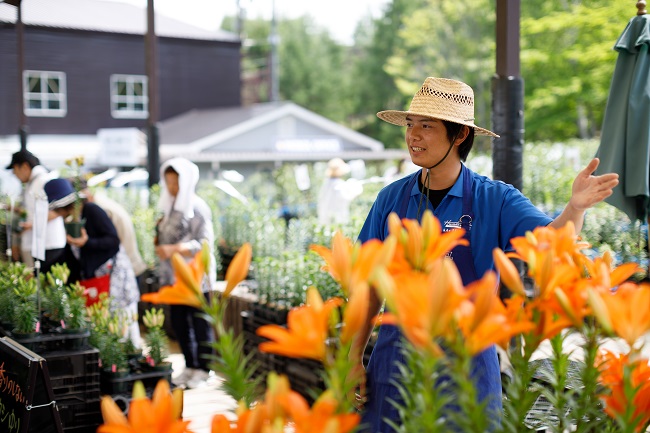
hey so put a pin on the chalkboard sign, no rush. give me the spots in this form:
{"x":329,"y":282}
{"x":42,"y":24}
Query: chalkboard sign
{"x":26,"y":399}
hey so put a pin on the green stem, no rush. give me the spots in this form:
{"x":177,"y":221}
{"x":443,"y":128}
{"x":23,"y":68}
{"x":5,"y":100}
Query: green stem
{"x":518,"y":392}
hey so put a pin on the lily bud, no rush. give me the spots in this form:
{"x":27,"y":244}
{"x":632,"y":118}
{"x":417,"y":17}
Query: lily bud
{"x":184,"y":272}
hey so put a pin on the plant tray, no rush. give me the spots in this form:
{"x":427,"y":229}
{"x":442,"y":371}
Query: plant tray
{"x":119,"y":385}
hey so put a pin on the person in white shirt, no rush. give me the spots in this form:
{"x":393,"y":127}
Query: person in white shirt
{"x":336,"y":194}
{"x":26,"y":167}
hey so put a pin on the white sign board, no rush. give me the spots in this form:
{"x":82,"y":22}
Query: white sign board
{"x":118,"y":147}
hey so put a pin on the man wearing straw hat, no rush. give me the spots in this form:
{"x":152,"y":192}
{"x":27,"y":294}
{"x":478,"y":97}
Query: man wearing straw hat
{"x":440,"y":133}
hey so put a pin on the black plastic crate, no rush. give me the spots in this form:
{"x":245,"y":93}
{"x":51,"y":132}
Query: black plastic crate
{"x":76,"y":412}
{"x":78,"y":363}
{"x":66,"y":385}
{"x":92,"y":428}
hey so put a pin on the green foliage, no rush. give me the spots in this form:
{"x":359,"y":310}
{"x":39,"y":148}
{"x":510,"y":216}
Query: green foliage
{"x":238,"y":370}
{"x":283,"y":281}
{"x":549,"y":171}
{"x":156,"y":339}
{"x":25,"y":313}
{"x":56,"y":302}
{"x":566,"y":55}
{"x":107,"y":333}
{"x":10,"y":275}
{"x":77,"y":316}
{"x":567,"y":62}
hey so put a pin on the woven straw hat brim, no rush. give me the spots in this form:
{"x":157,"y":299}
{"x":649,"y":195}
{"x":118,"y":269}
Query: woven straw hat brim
{"x":398,"y":118}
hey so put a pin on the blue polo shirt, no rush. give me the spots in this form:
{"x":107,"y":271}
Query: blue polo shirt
{"x":501,"y":213}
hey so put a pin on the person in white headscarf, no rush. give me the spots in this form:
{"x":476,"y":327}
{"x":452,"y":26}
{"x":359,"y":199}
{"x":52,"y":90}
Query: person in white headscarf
{"x":185,"y":224}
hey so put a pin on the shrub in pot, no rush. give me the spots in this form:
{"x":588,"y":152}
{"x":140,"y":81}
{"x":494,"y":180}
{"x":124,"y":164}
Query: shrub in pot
{"x":156,"y":339}
{"x":25,"y":313}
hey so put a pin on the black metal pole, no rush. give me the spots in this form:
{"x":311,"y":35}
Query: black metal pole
{"x":508,"y":120}
{"x":508,"y":97}
{"x":22,"y":119}
{"x":508,"y":106}
{"x":153,"y":139}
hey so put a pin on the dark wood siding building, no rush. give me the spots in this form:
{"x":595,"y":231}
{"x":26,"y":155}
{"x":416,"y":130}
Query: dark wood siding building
{"x":193,"y":73}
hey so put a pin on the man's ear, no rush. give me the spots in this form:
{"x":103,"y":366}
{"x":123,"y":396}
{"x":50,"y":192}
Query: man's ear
{"x":462,"y":135}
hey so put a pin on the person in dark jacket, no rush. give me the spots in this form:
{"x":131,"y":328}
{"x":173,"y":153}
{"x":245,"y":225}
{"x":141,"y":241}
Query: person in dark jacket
{"x":97,"y":251}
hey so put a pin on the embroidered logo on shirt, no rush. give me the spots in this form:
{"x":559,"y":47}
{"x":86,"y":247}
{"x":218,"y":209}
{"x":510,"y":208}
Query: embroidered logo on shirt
{"x":451,"y":225}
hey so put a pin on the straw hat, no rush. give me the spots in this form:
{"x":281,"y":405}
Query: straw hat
{"x":336,"y":167}
{"x":440,"y":98}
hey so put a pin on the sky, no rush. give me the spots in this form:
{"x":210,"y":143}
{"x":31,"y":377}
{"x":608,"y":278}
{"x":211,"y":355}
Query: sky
{"x":340,"y":17}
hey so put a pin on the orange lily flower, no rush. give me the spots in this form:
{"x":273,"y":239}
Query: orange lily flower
{"x":548,"y":322}
{"x":573,"y":302}
{"x":508,"y":272}
{"x":356,"y":312}
{"x":322,"y":418}
{"x":352,"y":264}
{"x":238,"y":268}
{"x":625,"y":311}
{"x":267,"y":416}
{"x":484,"y":320}
{"x":425,"y":305}
{"x":306,"y":332}
{"x":161,"y":414}
{"x":553,"y":257}
{"x":601,"y":272}
{"x":187,"y":287}
{"x":613,"y":369}
{"x":419,"y":246}
{"x":255,"y":420}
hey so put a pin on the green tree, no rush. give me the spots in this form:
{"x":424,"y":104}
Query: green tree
{"x":453,"y":39}
{"x":567,"y":63}
{"x":373,"y":88}
{"x":313,"y":68}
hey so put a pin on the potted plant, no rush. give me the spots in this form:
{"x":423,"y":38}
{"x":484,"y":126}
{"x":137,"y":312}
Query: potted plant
{"x":25,"y":314}
{"x":74,"y":224}
{"x":55,"y":296}
{"x":10,"y":274}
{"x":77,"y":318}
{"x":107,"y":332}
{"x":156,"y":340}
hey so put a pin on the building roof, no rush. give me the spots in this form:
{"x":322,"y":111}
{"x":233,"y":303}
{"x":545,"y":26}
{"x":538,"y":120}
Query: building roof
{"x":196,"y":124}
{"x":197,"y":134}
{"x":105,"y":16}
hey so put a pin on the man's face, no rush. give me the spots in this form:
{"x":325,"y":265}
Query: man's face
{"x":22,"y":171}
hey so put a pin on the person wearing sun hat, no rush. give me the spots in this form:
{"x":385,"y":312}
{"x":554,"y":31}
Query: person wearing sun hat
{"x":97,"y":251}
{"x":336,"y":194}
{"x":28,"y":169}
{"x":439,"y":135}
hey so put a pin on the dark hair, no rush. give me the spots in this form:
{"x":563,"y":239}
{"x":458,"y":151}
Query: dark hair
{"x":453,"y":130}
{"x":22,"y":157}
{"x":170,"y":169}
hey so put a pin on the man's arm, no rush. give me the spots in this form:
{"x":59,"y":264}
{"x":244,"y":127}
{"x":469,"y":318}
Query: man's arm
{"x":587,"y":190}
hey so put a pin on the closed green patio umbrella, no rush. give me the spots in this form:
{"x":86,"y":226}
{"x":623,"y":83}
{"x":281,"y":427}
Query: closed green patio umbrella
{"x":625,"y":138}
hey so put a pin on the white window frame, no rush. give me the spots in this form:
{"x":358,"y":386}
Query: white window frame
{"x":46,"y":95}
{"x":129,"y":99}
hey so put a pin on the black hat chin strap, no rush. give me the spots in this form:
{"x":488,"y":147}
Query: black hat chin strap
{"x":427,"y":178}
{"x":451,"y":145}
